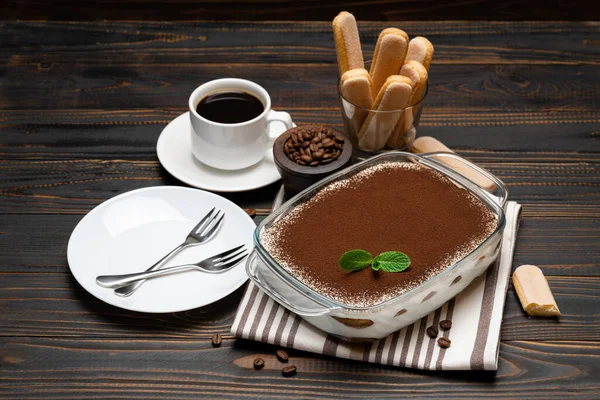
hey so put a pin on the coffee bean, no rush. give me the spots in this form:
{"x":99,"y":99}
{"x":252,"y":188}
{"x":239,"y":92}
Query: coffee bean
{"x":445,"y":324}
{"x":315,"y":139}
{"x":317,"y":155}
{"x":289,"y":371}
{"x":327,"y":142}
{"x":338,"y":146}
{"x":330,"y":134}
{"x":314,"y":163}
{"x":444,"y":342}
{"x":306,"y":136}
{"x":286,"y":151}
{"x":339,"y":139}
{"x":306,"y":158}
{"x":282,"y":356}
{"x":305,"y":144}
{"x":216,"y":340}
{"x":258,"y":363}
{"x":326,"y":156}
{"x":336,"y":154}
{"x":327,"y":161}
{"x":295,"y":138}
{"x":320,"y":145}
{"x":300,"y":162}
{"x":432,"y":332}
{"x":313,"y":147}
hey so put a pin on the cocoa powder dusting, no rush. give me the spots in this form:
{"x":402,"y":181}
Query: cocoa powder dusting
{"x":389,"y":207}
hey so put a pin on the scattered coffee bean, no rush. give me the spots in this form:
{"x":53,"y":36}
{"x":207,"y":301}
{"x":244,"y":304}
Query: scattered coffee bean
{"x":444,"y":342}
{"x":432,"y":332}
{"x":216,"y":340}
{"x":289,"y":371}
{"x":282,"y":356}
{"x":445,"y":324}
{"x":258,"y":363}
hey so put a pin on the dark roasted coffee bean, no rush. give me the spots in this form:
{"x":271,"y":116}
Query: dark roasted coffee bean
{"x":327,"y":161}
{"x":316,"y":139}
{"x":286,"y":151}
{"x":313,"y":147}
{"x":282,"y":355}
{"x":327,"y":142}
{"x":336,"y":154}
{"x":294,"y":138}
{"x":306,"y":136}
{"x":317,"y":155}
{"x":299,"y":161}
{"x":216,"y":340}
{"x":446,"y":324}
{"x":330,"y":134}
{"x":338,"y":146}
{"x":444,"y":342}
{"x":314,"y":163}
{"x":258,"y":363}
{"x":306,"y":158}
{"x":339,"y":139}
{"x":326,"y":156}
{"x":302,"y":152}
{"x":289,"y":371}
{"x":305,"y":144}
{"x":432,"y":332}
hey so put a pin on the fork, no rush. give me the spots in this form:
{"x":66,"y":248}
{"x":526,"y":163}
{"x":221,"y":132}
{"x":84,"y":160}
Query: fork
{"x":201,"y":233}
{"x":213,"y":265}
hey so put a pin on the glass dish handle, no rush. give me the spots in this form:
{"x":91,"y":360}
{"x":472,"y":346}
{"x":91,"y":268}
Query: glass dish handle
{"x":252,"y":268}
{"x":498,"y":194}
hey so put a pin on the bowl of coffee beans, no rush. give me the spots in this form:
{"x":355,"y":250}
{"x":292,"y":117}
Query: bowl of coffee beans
{"x":308,"y":153}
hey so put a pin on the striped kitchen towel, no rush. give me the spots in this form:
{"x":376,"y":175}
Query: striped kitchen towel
{"x":475,"y":341}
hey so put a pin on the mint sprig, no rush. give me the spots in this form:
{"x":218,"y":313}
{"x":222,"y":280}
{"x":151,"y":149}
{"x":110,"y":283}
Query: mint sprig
{"x":389,"y":261}
{"x":355,"y":260}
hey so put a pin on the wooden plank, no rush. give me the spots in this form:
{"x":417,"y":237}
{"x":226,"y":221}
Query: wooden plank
{"x":170,"y":369}
{"x":41,"y":43}
{"x":76,"y":186}
{"x":454,"y":88}
{"x":300,"y":10}
{"x":132,"y":133}
{"x":560,"y":246}
{"x":54,"y":305}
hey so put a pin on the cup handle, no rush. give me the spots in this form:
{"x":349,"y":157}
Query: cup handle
{"x":280,"y":116}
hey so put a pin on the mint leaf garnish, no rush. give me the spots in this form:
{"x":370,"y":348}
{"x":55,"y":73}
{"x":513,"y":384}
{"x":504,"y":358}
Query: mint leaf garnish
{"x":354,"y":260}
{"x":391,"y":261}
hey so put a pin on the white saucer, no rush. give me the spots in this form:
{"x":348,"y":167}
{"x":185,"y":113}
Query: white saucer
{"x":130,"y":232}
{"x":173,"y":149}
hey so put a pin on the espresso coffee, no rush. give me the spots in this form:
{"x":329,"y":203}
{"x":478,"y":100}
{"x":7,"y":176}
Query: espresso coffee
{"x":230,"y":107}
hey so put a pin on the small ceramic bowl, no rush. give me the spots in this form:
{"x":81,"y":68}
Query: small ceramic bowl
{"x":298,"y":177}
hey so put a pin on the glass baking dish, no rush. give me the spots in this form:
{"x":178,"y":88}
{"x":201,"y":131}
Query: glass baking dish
{"x":378,"y":321}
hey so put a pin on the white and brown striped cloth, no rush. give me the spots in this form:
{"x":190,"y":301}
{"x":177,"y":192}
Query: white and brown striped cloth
{"x":476,"y":315}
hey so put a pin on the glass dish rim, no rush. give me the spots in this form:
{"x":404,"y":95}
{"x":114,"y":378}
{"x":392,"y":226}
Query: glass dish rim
{"x":328,"y":302}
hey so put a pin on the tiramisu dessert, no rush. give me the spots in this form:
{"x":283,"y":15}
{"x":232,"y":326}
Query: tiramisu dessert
{"x":394,"y":206}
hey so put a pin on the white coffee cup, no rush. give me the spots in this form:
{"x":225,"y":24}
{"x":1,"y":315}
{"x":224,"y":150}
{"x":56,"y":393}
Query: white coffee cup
{"x":233,"y":146}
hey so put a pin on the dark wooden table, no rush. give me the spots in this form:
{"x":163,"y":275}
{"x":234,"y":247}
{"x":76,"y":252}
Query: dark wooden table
{"x":82,"y":105}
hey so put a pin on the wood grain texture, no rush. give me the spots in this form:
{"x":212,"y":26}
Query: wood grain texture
{"x":170,"y":369}
{"x":83,"y":103}
{"x":54,"y":305}
{"x":297,"y":10}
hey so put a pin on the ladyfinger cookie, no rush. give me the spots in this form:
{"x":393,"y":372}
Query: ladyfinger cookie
{"x":347,"y":42}
{"x":417,"y":73}
{"x":427,"y":144}
{"x":357,"y":88}
{"x":389,"y":55}
{"x":377,"y":128}
{"x":534,"y":292}
{"x":420,"y":49}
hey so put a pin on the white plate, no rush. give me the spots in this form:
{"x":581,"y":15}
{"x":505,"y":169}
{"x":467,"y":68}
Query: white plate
{"x":173,"y":150}
{"x":130,"y":232}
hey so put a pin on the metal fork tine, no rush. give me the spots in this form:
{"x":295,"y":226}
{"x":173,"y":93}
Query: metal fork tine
{"x":223,"y":254}
{"x":200,"y":224}
{"x":221,"y":266}
{"x":214,"y":227}
{"x":229,"y":256}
